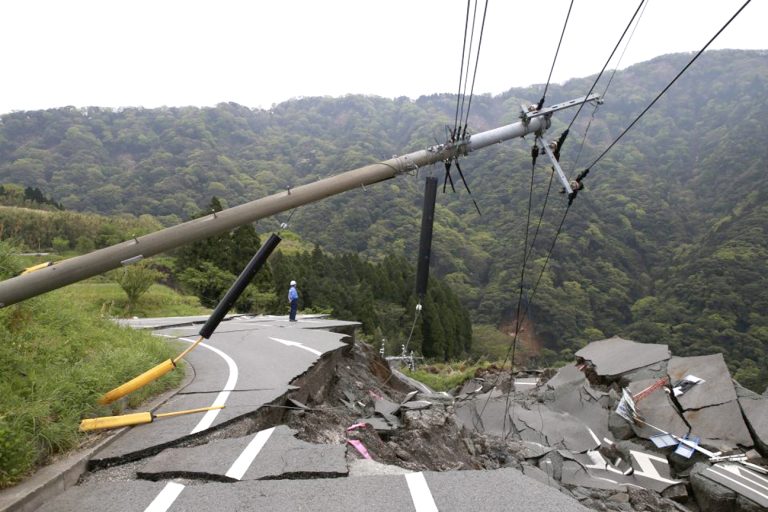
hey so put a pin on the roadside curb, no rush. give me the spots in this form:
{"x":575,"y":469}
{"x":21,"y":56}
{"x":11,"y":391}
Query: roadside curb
{"x":49,"y":481}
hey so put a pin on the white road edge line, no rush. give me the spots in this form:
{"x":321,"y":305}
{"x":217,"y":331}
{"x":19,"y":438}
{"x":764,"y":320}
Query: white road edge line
{"x":245,"y":459}
{"x":165,"y":499}
{"x":420,"y":493}
{"x":171,"y":491}
{"x":221,"y":398}
{"x":297,"y":345}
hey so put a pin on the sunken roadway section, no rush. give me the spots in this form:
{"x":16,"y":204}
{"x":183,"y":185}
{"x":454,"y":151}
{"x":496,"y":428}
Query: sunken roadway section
{"x":301,"y":402}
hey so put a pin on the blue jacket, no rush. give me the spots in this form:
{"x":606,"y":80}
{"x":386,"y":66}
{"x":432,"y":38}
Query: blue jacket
{"x":293,"y":294}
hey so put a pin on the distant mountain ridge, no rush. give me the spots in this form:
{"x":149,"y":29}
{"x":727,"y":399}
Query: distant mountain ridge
{"x":667,"y":243}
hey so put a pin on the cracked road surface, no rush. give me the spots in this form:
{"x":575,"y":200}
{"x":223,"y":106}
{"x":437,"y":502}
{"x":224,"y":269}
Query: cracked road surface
{"x":223,"y":460}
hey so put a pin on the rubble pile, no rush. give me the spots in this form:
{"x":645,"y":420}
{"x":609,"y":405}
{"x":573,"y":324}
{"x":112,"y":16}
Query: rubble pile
{"x":628,"y":416}
{"x":627,"y":427}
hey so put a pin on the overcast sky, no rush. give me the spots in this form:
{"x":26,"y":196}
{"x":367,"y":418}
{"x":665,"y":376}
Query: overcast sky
{"x":114,"y":53}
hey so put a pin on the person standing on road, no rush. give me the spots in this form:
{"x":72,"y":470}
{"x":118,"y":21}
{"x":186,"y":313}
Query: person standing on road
{"x":293,"y":299}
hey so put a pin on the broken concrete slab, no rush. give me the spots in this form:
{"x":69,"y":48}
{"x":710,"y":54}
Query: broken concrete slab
{"x":615,"y":356}
{"x":381,"y":424}
{"x":756,"y":415}
{"x":540,"y":476}
{"x":540,"y":424}
{"x":658,"y":410}
{"x":720,"y":426}
{"x":654,"y":371}
{"x":385,"y":407}
{"x":531,"y":450}
{"x":281,"y":456}
{"x":582,"y":402}
{"x":717,"y":387}
{"x":648,"y":471}
{"x":416,"y":405}
{"x":728,"y":487}
{"x":471,"y":387}
{"x":567,"y":376}
{"x":576,"y":474}
{"x":485,"y":413}
{"x":410,"y":396}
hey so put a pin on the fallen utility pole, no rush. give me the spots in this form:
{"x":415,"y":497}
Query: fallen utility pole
{"x":72,"y":270}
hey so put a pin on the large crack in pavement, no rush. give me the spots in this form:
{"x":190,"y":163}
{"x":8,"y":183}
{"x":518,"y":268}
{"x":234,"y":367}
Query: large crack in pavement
{"x":563,"y":432}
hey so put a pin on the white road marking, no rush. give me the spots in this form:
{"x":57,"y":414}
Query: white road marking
{"x":712,"y":469}
{"x":750,"y":476}
{"x":647,"y":469}
{"x":171,"y":491}
{"x":165,"y":499}
{"x":223,"y":395}
{"x":420,"y":493}
{"x":296,"y":344}
{"x":596,"y":439}
{"x":245,"y":459}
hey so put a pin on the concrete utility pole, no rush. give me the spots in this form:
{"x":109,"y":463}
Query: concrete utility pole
{"x":88,"y":265}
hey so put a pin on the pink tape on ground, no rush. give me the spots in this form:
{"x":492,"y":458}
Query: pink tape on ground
{"x":360,"y":448}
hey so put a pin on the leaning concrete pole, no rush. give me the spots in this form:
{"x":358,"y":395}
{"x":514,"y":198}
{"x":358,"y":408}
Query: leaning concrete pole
{"x":88,"y":265}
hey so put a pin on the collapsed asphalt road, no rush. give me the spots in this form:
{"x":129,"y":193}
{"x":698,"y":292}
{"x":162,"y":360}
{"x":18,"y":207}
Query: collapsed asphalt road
{"x":295,"y":435}
{"x":314,"y":421}
{"x":577,"y":431}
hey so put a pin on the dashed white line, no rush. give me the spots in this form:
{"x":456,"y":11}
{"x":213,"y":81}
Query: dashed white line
{"x":297,"y":345}
{"x":420,"y":493}
{"x":171,"y":491}
{"x":165,"y":499}
{"x":245,"y":459}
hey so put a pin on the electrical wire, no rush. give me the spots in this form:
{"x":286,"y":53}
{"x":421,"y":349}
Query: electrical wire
{"x":468,"y":61}
{"x":652,"y":103}
{"x":474,"y":74}
{"x":621,"y":57}
{"x":607,"y":61}
{"x":605,"y":91}
{"x":461,"y":73}
{"x":549,"y":78}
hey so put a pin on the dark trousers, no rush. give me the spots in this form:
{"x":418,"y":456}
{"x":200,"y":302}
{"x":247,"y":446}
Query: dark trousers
{"x":294,"y":307}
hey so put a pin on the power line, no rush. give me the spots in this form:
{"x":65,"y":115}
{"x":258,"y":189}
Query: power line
{"x":549,"y":78}
{"x":621,"y":57}
{"x":605,"y":91}
{"x":469,"y":61}
{"x":607,"y":61}
{"x":668,"y":85}
{"x":477,"y":60}
{"x":461,"y":72}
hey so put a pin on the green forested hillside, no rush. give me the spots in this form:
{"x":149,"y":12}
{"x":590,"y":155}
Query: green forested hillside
{"x":666,"y":244}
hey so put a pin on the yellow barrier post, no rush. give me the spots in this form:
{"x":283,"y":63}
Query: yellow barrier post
{"x":139,"y":418}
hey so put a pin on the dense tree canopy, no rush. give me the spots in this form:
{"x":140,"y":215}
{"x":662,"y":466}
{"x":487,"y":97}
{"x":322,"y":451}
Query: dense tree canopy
{"x":667,"y":243}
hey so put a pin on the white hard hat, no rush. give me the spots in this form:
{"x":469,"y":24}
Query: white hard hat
{"x":293,"y":283}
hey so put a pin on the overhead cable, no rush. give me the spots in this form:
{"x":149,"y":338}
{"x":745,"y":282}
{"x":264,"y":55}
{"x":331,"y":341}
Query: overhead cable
{"x":621,"y":57}
{"x":477,"y":60}
{"x":607,"y":86}
{"x":463,"y":89}
{"x":549,"y":78}
{"x":461,"y":73}
{"x":607,"y":61}
{"x":668,"y":85}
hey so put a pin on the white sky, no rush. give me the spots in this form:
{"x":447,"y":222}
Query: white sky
{"x":114,"y":53}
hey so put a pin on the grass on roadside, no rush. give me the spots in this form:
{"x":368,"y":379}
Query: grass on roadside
{"x":107,"y":299}
{"x":57,"y":357}
{"x":446,"y":376}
